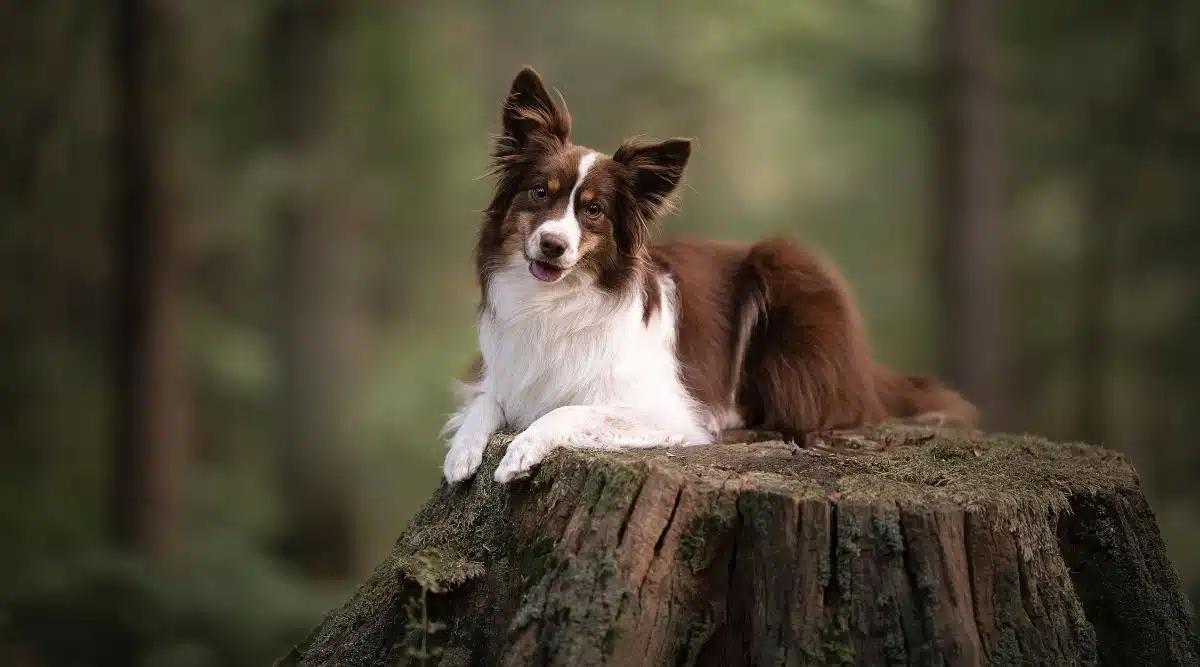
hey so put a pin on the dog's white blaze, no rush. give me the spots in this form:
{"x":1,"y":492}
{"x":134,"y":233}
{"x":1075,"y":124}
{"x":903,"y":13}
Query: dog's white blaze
{"x":571,"y":365}
{"x":568,"y":224}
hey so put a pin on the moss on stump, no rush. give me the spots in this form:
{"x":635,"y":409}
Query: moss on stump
{"x":893,"y":546}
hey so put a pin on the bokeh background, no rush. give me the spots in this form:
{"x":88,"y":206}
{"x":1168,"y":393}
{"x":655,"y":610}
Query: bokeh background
{"x":236,"y":236}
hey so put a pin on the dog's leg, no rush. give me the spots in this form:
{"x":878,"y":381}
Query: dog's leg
{"x":472,"y":425}
{"x":582,"y":426}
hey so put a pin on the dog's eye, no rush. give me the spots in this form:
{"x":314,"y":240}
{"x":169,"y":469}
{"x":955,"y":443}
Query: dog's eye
{"x":539,"y":193}
{"x":593,"y":210}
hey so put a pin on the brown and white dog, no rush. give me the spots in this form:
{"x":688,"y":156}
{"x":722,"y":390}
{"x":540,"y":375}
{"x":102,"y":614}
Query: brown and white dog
{"x":592,"y":337}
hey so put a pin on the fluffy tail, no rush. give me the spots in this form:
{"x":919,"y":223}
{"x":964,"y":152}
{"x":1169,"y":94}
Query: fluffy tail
{"x":923,"y":400}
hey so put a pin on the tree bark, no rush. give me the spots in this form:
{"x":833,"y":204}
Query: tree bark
{"x":900,"y":546}
{"x":150,"y":420}
{"x":967,"y":204}
{"x":315,"y":292}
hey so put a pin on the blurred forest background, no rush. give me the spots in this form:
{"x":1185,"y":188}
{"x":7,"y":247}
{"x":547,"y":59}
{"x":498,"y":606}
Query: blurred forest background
{"x":236,"y":236}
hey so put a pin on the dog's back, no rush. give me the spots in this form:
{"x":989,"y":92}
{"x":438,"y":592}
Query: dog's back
{"x":770,"y":337}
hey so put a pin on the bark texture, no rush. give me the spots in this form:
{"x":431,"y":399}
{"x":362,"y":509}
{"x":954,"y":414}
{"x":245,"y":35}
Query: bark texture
{"x":150,"y":404}
{"x":901,"y":546}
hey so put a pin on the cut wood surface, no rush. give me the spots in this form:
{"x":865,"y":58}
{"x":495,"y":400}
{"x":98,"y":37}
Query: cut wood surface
{"x":890,"y":546}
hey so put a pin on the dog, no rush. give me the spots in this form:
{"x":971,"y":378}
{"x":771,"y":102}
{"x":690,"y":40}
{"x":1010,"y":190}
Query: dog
{"x":592,"y":336}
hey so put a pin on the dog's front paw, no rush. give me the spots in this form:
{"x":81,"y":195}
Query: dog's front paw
{"x":524,"y":453}
{"x":465,"y":456}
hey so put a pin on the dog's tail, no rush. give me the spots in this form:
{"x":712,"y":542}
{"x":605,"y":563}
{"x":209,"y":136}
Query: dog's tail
{"x":923,"y":400}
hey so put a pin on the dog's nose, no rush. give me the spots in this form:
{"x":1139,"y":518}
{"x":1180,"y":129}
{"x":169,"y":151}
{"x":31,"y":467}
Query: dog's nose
{"x":553,"y":245}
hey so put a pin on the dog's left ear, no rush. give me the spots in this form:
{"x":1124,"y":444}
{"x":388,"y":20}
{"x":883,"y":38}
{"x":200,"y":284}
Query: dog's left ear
{"x":530,"y":113}
{"x":652,"y":175}
{"x":654,"y":172}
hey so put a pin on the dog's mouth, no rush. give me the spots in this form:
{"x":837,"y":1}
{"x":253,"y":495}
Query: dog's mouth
{"x":545,"y":271}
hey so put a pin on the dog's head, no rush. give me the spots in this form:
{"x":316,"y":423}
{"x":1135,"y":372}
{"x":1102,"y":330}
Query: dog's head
{"x":571,"y":215}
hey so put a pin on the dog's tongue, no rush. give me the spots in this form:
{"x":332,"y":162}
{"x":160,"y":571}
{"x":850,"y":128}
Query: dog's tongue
{"x":545,"y":272}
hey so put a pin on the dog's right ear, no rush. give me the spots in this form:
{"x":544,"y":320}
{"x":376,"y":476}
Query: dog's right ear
{"x":531,"y":115}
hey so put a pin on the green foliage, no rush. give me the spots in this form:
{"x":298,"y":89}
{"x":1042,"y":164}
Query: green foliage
{"x":223,"y":605}
{"x":809,"y":120}
{"x":421,"y":629}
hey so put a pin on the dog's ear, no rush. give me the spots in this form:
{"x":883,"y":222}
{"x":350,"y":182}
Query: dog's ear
{"x":652,"y":176}
{"x":653,"y":172}
{"x":531,"y":114}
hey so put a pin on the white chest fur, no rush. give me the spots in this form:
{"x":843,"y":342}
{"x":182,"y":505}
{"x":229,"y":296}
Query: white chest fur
{"x":546,"y":347}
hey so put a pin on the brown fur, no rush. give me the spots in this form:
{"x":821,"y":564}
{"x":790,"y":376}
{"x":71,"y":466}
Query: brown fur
{"x":923,"y":400}
{"x":808,"y":365}
{"x":768,"y":332}
{"x":633,"y":187}
{"x":704,"y":273}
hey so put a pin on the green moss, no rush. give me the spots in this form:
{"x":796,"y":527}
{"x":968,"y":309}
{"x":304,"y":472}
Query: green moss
{"x":836,"y":643}
{"x":758,"y":512}
{"x":699,"y":627}
{"x":1012,"y":472}
{"x":888,"y":615}
{"x":536,"y":559}
{"x":1023,"y":478}
{"x":825,"y":568}
{"x":1007,"y":649}
{"x":609,"y":641}
{"x":592,"y":488}
{"x":925,"y":585}
{"x":436,"y":570}
{"x":847,"y":546}
{"x":691,"y":545}
{"x":620,"y":485}
{"x":948,"y":451}
{"x":698,"y":541}
{"x":466,"y":520}
{"x":581,"y":598}
{"x":885,"y":530}
{"x":455,"y":657}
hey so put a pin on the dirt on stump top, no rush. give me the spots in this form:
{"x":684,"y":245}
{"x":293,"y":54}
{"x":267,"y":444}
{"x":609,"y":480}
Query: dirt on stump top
{"x":1015,"y":475}
{"x":902,"y":464}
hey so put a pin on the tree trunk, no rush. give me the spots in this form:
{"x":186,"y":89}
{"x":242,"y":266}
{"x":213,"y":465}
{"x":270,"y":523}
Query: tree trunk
{"x":315,"y":292}
{"x":150,"y":405}
{"x":900,"y":546}
{"x":967,"y":204}
{"x":1096,"y":287}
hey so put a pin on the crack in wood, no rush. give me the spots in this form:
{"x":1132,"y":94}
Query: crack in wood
{"x":629,"y":512}
{"x":971,"y":588}
{"x":922,"y":605}
{"x":658,"y":544}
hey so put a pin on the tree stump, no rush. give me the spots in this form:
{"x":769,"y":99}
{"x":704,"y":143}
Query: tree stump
{"x":894,"y":546}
